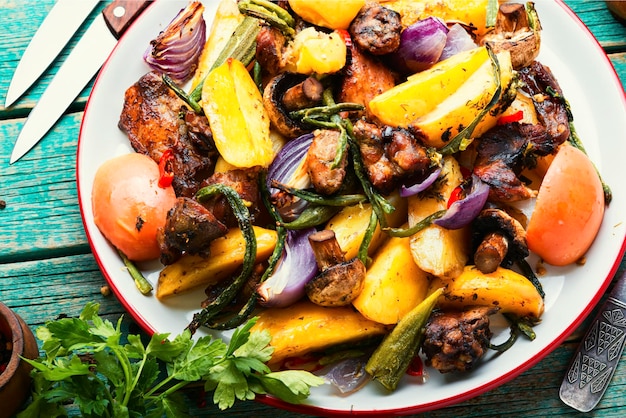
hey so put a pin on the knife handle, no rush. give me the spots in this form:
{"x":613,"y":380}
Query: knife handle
{"x":121,"y":13}
{"x":594,"y":362}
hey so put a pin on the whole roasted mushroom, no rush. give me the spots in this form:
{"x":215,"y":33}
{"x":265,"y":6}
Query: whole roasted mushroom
{"x":287,"y":92}
{"x":517,"y":30}
{"x":498,"y":239}
{"x":339,"y":282}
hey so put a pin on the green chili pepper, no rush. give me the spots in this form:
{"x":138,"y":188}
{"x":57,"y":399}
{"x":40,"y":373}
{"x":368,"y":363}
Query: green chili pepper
{"x":391,"y":358}
{"x":311,"y":216}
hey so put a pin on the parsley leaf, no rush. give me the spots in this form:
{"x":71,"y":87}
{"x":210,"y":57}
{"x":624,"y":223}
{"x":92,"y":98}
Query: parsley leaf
{"x":87,"y":363}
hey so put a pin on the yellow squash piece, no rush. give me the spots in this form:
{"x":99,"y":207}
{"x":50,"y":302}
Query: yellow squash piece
{"x":227,"y":253}
{"x":460,"y":109}
{"x":234,"y":107}
{"x":329,"y":14}
{"x":393,"y":285}
{"x":439,"y":251}
{"x":226,"y":19}
{"x":504,"y":288}
{"x":351,"y":222}
{"x":472,"y":13}
{"x":305,"y":327}
{"x":423,"y":91}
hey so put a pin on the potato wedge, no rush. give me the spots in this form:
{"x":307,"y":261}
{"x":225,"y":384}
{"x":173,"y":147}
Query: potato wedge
{"x":436,"y":250}
{"x":351,"y":222}
{"x":227,"y":252}
{"x":423,"y":91}
{"x":504,"y":288}
{"x":305,"y":327}
{"x":239,"y":122}
{"x":226,"y":19}
{"x":460,"y":109}
{"x":393,"y":284}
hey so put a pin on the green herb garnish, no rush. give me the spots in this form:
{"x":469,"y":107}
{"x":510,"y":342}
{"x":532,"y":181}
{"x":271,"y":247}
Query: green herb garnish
{"x":87,"y":364}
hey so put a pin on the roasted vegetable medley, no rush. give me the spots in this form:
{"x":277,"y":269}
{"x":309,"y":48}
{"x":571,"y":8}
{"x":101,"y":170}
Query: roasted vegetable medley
{"x":352,"y":174}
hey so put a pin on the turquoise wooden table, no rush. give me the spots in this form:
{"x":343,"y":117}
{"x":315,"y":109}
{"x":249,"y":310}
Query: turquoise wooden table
{"x":47,"y":268}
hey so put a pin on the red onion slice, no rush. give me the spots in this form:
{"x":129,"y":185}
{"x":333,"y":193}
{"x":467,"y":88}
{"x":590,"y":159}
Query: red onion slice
{"x":296,"y":267}
{"x":457,"y":40}
{"x":176,"y":50}
{"x":288,"y":168}
{"x":406,"y":191}
{"x":421,"y":45}
{"x":463,"y":211}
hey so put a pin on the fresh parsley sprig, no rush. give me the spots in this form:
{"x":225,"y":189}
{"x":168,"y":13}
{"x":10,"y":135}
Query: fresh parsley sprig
{"x":87,"y":364}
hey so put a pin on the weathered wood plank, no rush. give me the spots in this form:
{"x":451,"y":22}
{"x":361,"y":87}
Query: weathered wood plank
{"x":601,"y":23}
{"x":42,"y":216}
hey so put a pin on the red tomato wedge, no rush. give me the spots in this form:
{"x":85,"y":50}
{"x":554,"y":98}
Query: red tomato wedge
{"x":569,"y":209}
{"x":129,"y":206}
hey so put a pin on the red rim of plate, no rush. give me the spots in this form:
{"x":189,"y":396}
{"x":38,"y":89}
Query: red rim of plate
{"x":321,"y":411}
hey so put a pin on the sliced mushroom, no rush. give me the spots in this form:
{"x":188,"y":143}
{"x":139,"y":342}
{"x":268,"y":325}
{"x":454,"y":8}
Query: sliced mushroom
{"x":278,"y":110}
{"x":499,"y":239}
{"x":518,"y":31}
{"x":339,"y":282}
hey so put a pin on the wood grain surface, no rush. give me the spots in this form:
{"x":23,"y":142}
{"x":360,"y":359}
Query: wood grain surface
{"x":47,"y":268}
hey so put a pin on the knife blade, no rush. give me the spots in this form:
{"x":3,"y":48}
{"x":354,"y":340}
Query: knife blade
{"x":62,"y":21}
{"x":80,"y":66}
{"x":594,"y":362}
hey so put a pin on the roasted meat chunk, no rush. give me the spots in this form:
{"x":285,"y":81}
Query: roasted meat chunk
{"x":189,"y":229}
{"x":364,"y":77}
{"x":376,"y":29}
{"x":391,"y":156}
{"x":157,"y":121}
{"x":454,"y":341}
{"x":245,"y":183}
{"x":319,"y":160}
{"x":503,"y":152}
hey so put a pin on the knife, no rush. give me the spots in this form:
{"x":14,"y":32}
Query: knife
{"x":57,"y":29}
{"x":596,"y":358}
{"x":80,"y":66}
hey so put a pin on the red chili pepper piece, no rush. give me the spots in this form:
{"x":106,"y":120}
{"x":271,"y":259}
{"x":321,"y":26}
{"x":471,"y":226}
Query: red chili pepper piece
{"x":346,"y":37}
{"x":416,"y":367}
{"x":166,"y":176}
{"x":513,"y":117}
{"x":457,"y":194}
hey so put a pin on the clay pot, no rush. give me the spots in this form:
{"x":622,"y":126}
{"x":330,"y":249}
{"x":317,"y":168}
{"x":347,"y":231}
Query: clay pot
{"x":618,"y":9}
{"x":15,"y":380}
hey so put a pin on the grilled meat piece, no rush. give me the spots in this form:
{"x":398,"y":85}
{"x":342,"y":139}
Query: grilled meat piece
{"x":319,"y":160}
{"x":551,"y":111}
{"x":364,"y":77}
{"x":456,"y":340}
{"x":189,"y":229}
{"x":391,"y":156}
{"x":503,"y":152}
{"x":376,"y":29}
{"x":270,"y":48}
{"x":155,"y":120}
{"x":245,"y":183}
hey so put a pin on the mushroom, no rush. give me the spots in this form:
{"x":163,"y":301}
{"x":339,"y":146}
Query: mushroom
{"x":499,"y":239}
{"x":287,"y":92}
{"x":339,"y":282}
{"x":518,"y":31}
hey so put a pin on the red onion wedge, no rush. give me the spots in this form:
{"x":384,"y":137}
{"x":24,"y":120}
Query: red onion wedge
{"x":463,"y":211}
{"x":421,"y":45}
{"x":457,"y":40}
{"x":288,"y":168}
{"x":348,"y":375}
{"x":406,"y":191}
{"x":176,"y":50}
{"x":296,"y":267}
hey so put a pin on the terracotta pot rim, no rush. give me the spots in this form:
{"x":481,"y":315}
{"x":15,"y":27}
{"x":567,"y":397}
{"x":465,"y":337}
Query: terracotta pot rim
{"x":17,"y":338}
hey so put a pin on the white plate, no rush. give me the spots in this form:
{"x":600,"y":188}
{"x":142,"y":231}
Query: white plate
{"x":597,"y":99}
